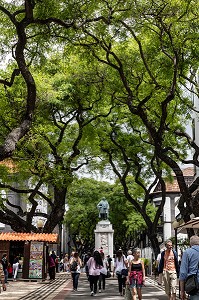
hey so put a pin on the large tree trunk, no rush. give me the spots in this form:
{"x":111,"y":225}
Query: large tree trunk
{"x":57,"y":210}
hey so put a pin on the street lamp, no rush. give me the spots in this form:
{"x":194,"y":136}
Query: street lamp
{"x":159,"y":239}
{"x":175,"y":226}
{"x":40,"y":224}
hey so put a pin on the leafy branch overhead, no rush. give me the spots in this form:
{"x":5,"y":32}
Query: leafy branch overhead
{"x":116,"y":98}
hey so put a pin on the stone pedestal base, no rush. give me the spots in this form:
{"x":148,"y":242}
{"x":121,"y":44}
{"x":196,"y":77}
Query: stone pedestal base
{"x":104,"y":237}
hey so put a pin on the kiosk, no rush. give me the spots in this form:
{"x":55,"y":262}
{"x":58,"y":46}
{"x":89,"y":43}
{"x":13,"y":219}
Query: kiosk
{"x":32,"y":249}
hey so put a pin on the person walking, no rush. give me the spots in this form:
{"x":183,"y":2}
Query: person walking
{"x":66,"y":263}
{"x":170,"y":268}
{"x":189,"y":266}
{"x":75,"y":268}
{"x":103,"y":273}
{"x":56,"y":260}
{"x":10,"y":270}
{"x":4,"y":262}
{"x":109,"y":260}
{"x":51,"y":267}
{"x":120,"y":268}
{"x":94,"y":264}
{"x":15,"y":267}
{"x":86,"y":258}
{"x":136,"y":274}
{"x":2,"y":278}
{"x":157,"y":265}
{"x":129,"y":257}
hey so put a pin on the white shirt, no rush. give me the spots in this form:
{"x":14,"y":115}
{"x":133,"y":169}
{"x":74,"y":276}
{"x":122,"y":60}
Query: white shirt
{"x":120,"y":264}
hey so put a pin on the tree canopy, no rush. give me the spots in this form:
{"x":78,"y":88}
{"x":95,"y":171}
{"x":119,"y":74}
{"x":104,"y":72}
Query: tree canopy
{"x":117,"y":95}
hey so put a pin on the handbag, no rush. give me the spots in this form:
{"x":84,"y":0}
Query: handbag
{"x":118,"y":273}
{"x":124,"y":272}
{"x":191,"y":284}
{"x":128,"y":295}
{"x":108,"y":275}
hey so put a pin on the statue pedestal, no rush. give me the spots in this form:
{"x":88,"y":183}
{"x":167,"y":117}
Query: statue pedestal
{"x":104,"y":237}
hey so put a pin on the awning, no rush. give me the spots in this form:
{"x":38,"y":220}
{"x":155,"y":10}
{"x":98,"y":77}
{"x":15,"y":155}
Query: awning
{"x":21,"y":236}
{"x":193,"y":223}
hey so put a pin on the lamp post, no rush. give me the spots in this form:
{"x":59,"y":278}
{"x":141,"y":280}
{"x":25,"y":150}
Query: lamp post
{"x":175,"y":225}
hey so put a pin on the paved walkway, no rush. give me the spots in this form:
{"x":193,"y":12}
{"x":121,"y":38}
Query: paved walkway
{"x":61,"y":289}
{"x":150,"y":292}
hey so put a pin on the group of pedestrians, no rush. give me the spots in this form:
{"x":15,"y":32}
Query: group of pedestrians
{"x":54,"y":263}
{"x":169,"y":269}
{"x":96,"y":267}
{"x":130,"y":270}
{"x":8,"y":270}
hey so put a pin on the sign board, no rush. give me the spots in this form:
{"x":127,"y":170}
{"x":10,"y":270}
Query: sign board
{"x":36,"y":260}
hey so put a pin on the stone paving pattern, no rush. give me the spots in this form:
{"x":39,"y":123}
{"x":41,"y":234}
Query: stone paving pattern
{"x":61,"y":289}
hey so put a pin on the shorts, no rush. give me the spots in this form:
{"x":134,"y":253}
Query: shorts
{"x":170,"y":282}
{"x":134,"y":284}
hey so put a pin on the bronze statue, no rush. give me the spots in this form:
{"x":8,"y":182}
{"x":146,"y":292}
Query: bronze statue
{"x":103,"y":208}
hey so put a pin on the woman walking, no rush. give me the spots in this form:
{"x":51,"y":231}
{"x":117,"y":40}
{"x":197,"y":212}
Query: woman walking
{"x":120,"y":269}
{"x":66,"y":263}
{"x":103,"y":273}
{"x":75,"y":268}
{"x":15,"y":267}
{"x":51,"y":267}
{"x":94,"y":264}
{"x":136,"y":274}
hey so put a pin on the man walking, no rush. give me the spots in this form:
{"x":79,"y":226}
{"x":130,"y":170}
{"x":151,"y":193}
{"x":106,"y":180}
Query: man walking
{"x":5,"y":266}
{"x":190,"y":266}
{"x":169,"y":267}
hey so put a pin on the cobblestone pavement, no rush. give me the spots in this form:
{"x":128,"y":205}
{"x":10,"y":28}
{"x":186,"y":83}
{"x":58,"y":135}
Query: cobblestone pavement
{"x":29,"y":290}
{"x":61,"y":289}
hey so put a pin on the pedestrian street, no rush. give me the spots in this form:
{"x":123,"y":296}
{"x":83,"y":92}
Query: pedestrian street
{"x":61,"y":289}
{"x":151,"y":291}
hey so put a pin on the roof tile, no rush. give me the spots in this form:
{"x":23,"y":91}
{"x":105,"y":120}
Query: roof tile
{"x":20,"y":236}
{"x":173,"y":186}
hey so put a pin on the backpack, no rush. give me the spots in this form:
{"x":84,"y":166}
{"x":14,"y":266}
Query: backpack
{"x":73,"y":266}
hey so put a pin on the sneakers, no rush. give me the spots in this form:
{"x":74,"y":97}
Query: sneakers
{"x":100,"y":291}
{"x":92,"y":293}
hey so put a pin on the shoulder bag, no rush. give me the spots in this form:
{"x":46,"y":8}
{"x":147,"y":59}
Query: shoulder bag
{"x":191,"y":283}
{"x":124,"y":271}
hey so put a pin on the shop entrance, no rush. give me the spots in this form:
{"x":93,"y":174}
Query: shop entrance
{"x":16,"y":249}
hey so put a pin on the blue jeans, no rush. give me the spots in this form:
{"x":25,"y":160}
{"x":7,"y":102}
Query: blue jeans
{"x":6,"y":275}
{"x":75,"y":277}
{"x":194,"y":297}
